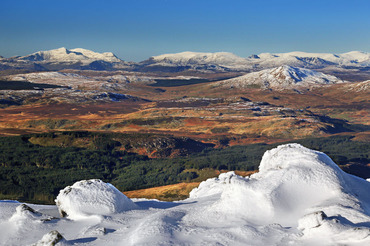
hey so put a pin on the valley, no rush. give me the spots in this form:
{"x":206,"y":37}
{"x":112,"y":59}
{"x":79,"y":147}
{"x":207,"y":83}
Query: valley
{"x":158,"y":116}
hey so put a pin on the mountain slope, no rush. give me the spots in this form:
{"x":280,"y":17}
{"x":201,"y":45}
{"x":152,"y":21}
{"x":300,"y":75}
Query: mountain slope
{"x":280,"y":78}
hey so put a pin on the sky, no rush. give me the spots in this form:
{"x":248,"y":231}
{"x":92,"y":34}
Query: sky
{"x":137,"y":29}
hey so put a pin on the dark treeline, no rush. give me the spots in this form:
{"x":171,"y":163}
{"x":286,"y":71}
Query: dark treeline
{"x":24,"y":85}
{"x":30,"y":172}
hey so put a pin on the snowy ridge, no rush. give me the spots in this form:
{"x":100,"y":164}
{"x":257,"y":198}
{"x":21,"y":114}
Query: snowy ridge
{"x":199,"y":60}
{"x":280,"y":78}
{"x":264,"y":60}
{"x":73,"y":55}
{"x":315,"y":60}
{"x":80,"y":58}
{"x":188,"y":57}
{"x":299,"y":197}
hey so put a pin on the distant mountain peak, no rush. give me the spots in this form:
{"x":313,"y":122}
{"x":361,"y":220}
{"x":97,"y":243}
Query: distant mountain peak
{"x":282,"y":77}
{"x":74,"y":55}
{"x":191,"y":57}
{"x":305,"y":59}
{"x":219,"y":61}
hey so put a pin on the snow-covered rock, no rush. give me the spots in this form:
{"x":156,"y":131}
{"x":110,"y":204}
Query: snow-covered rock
{"x":92,"y":197}
{"x":24,"y":212}
{"x":50,"y":239}
{"x":280,"y":78}
{"x":312,"y":220}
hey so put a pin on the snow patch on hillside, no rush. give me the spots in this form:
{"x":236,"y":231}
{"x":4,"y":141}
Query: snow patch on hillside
{"x":363,"y":86}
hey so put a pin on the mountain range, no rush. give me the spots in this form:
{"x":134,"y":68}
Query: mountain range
{"x":62,"y":58}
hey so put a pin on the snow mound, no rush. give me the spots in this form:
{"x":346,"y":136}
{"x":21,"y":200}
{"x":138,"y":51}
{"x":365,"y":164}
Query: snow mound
{"x":24,"y":212}
{"x":92,"y":197}
{"x":293,"y":181}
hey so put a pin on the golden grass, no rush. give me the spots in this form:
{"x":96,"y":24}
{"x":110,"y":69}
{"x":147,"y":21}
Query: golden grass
{"x":178,"y":191}
{"x":164,"y":193}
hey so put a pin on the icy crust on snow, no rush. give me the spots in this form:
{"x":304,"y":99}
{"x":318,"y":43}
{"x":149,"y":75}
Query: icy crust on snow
{"x":91,"y":197}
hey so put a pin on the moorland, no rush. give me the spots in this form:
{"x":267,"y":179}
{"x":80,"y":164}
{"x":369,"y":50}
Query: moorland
{"x":153,"y":124}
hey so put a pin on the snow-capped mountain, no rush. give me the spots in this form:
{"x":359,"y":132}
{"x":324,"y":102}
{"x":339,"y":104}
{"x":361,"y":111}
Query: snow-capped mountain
{"x":219,"y":61}
{"x":62,"y":58}
{"x":224,"y":61}
{"x":312,"y":60}
{"x":73,"y":55}
{"x":185,"y":58}
{"x":283,"y":77}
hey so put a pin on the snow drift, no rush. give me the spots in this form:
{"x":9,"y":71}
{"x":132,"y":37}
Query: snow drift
{"x":296,"y":187}
{"x":91,"y":197}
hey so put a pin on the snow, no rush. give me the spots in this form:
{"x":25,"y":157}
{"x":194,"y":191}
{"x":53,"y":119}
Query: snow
{"x":283,"y":77}
{"x":91,"y":197}
{"x":298,"y":197}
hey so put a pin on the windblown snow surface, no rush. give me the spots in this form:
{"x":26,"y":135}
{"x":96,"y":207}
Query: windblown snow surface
{"x":299,"y":197}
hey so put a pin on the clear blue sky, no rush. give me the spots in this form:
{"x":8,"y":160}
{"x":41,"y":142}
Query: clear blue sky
{"x":137,"y":29}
